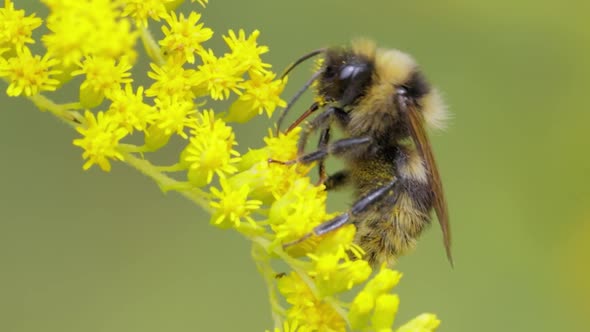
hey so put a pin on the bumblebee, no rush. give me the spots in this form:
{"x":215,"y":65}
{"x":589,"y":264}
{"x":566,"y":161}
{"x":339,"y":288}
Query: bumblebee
{"x":382,"y":103}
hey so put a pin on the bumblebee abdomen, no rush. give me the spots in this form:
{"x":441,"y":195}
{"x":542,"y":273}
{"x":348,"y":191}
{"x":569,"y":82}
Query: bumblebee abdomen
{"x":387,"y":232}
{"x":390,"y":227}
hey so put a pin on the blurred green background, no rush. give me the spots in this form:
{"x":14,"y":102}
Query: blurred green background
{"x":90,"y":251}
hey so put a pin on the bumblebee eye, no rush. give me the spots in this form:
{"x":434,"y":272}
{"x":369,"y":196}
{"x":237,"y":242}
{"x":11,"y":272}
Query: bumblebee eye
{"x":350,"y":71}
{"x":402,"y":91}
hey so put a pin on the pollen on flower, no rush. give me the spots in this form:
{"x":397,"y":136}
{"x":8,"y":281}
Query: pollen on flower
{"x":16,"y":28}
{"x":261,"y":94}
{"x":103,"y":75}
{"x":129,"y":110}
{"x":101,"y":136}
{"x":210,"y":150}
{"x":29,"y":74}
{"x":184,"y":37}
{"x":233,"y":206}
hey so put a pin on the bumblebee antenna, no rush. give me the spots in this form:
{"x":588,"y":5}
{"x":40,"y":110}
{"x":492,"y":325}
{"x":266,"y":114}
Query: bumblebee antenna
{"x":302,"y":59}
{"x":305,"y":86}
{"x":295,"y":98}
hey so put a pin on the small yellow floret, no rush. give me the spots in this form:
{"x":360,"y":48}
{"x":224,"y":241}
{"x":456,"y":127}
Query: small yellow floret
{"x":184,"y":37}
{"x":129,"y":110}
{"x":233,"y":206}
{"x":219,"y":76}
{"x":141,"y":10}
{"x":171,"y":81}
{"x":16,"y":28}
{"x":261,"y":94}
{"x":210,"y":150}
{"x":103,"y":77}
{"x":29,"y":74}
{"x":88,"y":28}
{"x":246,"y":51}
{"x":100,"y":141}
{"x":310,"y":313}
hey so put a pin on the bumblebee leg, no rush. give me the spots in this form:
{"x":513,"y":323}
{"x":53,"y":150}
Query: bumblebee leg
{"x":337,"y":180}
{"x":322,"y":143}
{"x":343,"y":219}
{"x":323,"y":120}
{"x":337,"y":148}
{"x":358,"y":207}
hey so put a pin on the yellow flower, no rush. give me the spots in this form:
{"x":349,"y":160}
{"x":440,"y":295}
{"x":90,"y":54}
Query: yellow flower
{"x":269,"y":182}
{"x":16,"y":28}
{"x":173,"y":117}
{"x":422,"y":323}
{"x":296,"y":212}
{"x":100,"y":141}
{"x":246,"y":51}
{"x":171,"y":81}
{"x":88,"y":28}
{"x":262,"y":93}
{"x":233,"y":206}
{"x":141,"y":10}
{"x":184,"y":37}
{"x":29,"y":74}
{"x":374,"y":306}
{"x":219,"y":76}
{"x":335,"y":272}
{"x":385,"y":310}
{"x":210,"y":150}
{"x":309,"y":312}
{"x":103,"y":77}
{"x":129,"y":110}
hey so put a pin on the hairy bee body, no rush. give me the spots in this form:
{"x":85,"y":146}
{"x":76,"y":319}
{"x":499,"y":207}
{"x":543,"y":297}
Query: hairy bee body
{"x":381,"y":102}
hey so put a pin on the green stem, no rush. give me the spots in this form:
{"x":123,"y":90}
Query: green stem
{"x":63,"y":112}
{"x":262,"y":260}
{"x":151,"y":171}
{"x":151,"y":47}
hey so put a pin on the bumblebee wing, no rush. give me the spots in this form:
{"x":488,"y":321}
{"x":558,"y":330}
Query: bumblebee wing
{"x":420,"y":138}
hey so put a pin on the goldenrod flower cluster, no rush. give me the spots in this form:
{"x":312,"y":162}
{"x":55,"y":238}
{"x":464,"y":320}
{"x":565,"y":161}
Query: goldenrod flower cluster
{"x":270,"y":204}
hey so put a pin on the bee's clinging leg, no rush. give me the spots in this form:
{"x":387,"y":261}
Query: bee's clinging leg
{"x":323,"y":120}
{"x":322,"y":143}
{"x":360,"y":206}
{"x":337,"y":148}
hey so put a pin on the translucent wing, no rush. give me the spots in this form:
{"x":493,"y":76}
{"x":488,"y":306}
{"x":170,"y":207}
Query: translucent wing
{"x":420,"y":138}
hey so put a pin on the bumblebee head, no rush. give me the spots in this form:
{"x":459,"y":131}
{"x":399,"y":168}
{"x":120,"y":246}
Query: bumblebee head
{"x":345,"y":75}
